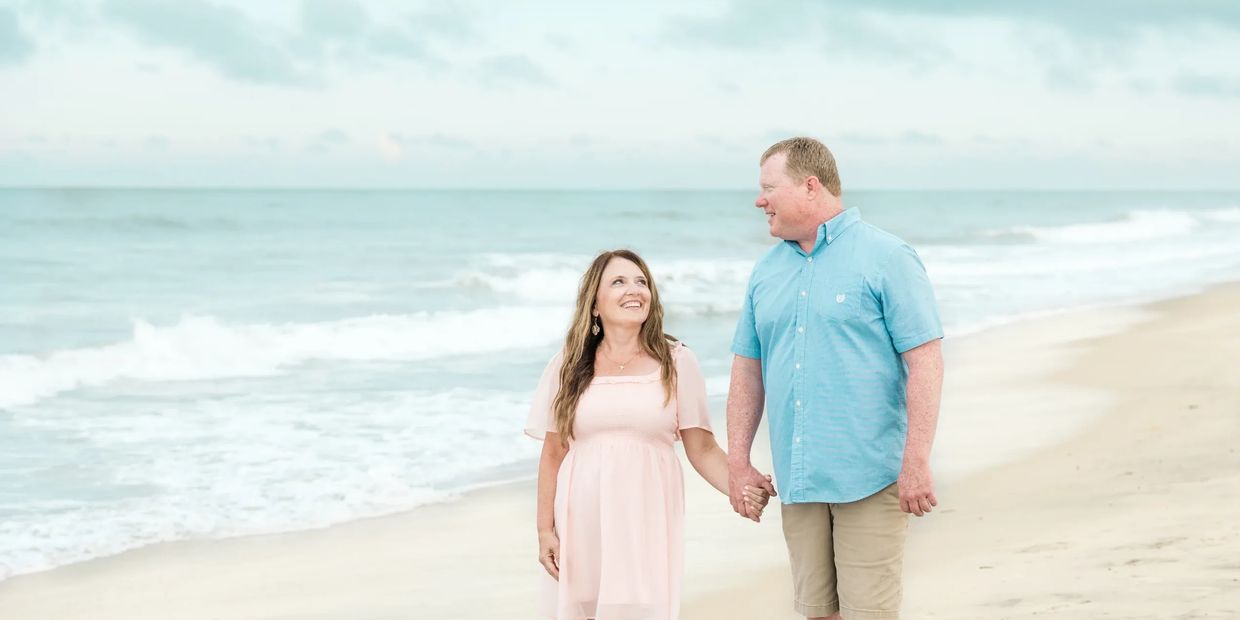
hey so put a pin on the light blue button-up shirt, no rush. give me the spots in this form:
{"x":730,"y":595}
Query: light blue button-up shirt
{"x":829,"y":327}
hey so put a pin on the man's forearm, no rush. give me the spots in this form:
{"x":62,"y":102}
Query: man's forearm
{"x":922,"y":395}
{"x":745,"y":401}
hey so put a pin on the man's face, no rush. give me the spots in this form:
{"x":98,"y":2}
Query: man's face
{"x":782,"y":198}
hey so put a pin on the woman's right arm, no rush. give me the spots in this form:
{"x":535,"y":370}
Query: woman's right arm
{"x":548,"y":469}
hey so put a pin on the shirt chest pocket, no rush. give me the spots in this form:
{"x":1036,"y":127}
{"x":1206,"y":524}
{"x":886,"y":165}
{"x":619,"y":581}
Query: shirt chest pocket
{"x":839,"y":300}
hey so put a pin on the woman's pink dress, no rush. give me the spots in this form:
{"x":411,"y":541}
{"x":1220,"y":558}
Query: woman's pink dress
{"x":619,"y":501}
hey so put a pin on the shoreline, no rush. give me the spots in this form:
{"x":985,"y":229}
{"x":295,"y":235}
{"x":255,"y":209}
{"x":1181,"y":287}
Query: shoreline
{"x":403,"y":564}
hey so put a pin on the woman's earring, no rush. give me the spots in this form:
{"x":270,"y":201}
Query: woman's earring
{"x":595,"y":329}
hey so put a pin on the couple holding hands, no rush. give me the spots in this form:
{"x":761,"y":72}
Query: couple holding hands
{"x":838,"y":338}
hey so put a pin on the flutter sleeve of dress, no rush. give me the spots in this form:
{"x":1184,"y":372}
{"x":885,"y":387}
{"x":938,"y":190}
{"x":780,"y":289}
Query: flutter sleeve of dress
{"x":692,"y":410}
{"x":541,"y":418}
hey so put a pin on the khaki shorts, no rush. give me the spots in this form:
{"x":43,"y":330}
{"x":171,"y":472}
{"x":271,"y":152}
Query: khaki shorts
{"x":847,"y":557}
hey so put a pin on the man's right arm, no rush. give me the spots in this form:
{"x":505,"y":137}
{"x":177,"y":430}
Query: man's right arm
{"x":746,"y":396}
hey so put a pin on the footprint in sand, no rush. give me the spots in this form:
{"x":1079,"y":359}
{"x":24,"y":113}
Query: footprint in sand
{"x":1056,"y":546}
{"x":1157,"y":544}
{"x":1135,"y":561}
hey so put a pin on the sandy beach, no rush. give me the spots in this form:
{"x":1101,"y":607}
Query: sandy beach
{"x":1116,"y":497}
{"x":1129,"y":518}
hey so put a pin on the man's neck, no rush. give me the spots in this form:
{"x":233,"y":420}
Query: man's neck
{"x":808,"y":240}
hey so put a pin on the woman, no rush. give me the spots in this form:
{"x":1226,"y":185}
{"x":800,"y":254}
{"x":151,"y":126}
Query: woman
{"x":610,"y":406}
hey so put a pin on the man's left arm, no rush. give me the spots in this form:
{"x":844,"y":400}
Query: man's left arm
{"x":912,"y":319}
{"x":922,"y":393}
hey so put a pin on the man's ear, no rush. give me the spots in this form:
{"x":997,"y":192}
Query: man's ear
{"x":813,"y":186}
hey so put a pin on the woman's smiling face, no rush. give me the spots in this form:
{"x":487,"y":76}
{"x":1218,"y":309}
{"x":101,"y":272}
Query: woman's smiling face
{"x":623,"y":294}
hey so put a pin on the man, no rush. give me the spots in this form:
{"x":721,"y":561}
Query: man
{"x":840,"y":336}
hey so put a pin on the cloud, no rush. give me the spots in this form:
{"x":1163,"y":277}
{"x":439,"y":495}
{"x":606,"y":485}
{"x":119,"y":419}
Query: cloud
{"x":284,"y":53}
{"x":449,"y":24}
{"x":222,"y":37}
{"x":434,"y":140}
{"x":328,"y":140}
{"x":783,"y":133}
{"x":57,"y":10}
{"x":233,"y":42}
{"x":894,"y":32}
{"x":561,"y":41}
{"x":390,"y":42}
{"x":390,"y":147}
{"x":348,"y":26}
{"x":339,"y":19}
{"x":157,"y":144}
{"x":268,"y":143}
{"x":443,"y":141}
{"x":14,"y":45}
{"x":734,"y":29}
{"x":989,"y":141}
{"x":725,"y":144}
{"x":1067,"y":77}
{"x":394,"y":146}
{"x":348,"y":23}
{"x":917,"y":138}
{"x":1199,"y":85}
{"x":859,"y":138}
{"x":874,"y":40}
{"x":1074,"y":17}
{"x":907,"y":138}
{"x":333,"y":136}
{"x":580,"y":141}
{"x":836,"y":28}
{"x":513,"y":70}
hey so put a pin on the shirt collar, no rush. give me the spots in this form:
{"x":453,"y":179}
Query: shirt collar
{"x":831,"y":229}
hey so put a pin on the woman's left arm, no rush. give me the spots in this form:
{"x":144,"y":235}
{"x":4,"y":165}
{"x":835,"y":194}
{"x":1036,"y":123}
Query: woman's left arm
{"x":711,"y":462}
{"x":704,"y":453}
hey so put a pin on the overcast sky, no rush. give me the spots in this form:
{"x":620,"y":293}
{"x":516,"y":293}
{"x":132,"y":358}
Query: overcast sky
{"x":961,"y":94}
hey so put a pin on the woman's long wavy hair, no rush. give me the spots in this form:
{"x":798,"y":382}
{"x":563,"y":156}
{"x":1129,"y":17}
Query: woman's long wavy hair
{"x":581,"y":344}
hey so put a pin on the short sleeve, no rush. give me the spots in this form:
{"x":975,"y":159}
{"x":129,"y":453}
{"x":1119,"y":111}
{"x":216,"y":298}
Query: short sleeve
{"x":541,"y":418}
{"x":910,"y":311}
{"x":745,"y":341}
{"x":692,"y":410}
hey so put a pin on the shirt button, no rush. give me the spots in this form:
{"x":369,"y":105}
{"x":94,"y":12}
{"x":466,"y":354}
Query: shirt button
{"x":802,"y":293}
{"x":798,"y":366}
{"x":800,"y":330}
{"x":798,"y":440}
{"x":798,"y":403}
{"x":828,"y":239}
{"x":810,"y":259}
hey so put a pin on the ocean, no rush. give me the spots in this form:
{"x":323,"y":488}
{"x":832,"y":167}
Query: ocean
{"x":187,"y":364}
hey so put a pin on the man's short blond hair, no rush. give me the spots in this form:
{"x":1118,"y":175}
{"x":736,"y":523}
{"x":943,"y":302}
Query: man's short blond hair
{"x":807,"y":157}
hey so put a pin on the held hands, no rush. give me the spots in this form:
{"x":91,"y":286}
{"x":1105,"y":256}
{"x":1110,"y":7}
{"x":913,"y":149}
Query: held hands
{"x":749,"y":491}
{"x":916,"y":487}
{"x":756,"y":500}
{"x":549,"y":553}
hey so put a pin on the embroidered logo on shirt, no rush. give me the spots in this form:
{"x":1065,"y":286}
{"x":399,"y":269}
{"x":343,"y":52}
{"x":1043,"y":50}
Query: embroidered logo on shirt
{"x":839,"y":299}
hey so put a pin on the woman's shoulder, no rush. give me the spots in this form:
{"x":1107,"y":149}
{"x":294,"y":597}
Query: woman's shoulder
{"x":555,"y":363}
{"x":681,"y":352}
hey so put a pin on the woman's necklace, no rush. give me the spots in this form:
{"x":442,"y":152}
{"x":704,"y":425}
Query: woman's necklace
{"x":626,"y":362}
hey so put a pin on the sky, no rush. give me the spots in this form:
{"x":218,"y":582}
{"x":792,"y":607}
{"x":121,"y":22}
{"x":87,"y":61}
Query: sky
{"x":958,"y":94}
